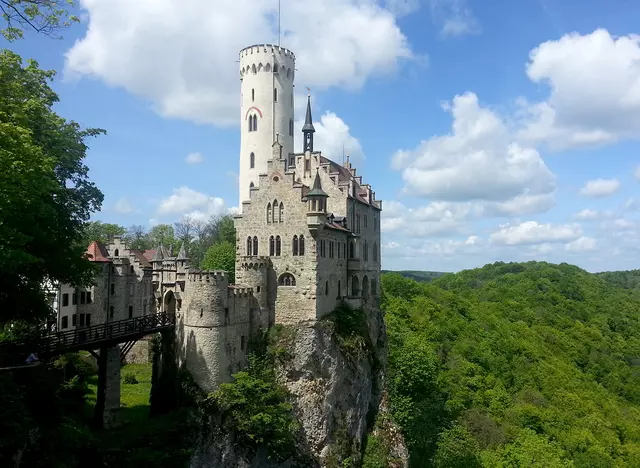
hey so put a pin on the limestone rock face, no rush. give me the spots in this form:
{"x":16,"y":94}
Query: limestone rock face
{"x":337,"y":395}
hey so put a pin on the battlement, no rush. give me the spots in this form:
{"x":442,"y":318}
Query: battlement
{"x":264,"y":49}
{"x":260,"y":261}
{"x":216,"y":276}
{"x":238,"y":290}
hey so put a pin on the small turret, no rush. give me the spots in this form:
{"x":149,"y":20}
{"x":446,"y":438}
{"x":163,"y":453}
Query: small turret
{"x":308,"y":130}
{"x":316,"y":205}
{"x":158,"y":257}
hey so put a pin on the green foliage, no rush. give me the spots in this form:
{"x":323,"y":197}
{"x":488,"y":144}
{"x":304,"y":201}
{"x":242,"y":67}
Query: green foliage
{"x":130,"y":379}
{"x":256,"y":408}
{"x":45,"y":194}
{"x":42,"y":16}
{"x":351,"y":329}
{"x":101,"y":232}
{"x":221,"y":256}
{"x":625,"y":279}
{"x":521,"y":364}
{"x":417,"y":275}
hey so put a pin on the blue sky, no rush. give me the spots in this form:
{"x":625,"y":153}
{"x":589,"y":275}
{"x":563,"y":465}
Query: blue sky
{"x":504,"y":133}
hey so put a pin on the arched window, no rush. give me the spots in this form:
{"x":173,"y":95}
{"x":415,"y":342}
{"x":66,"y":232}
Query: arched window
{"x":355,"y":286}
{"x":301,"y":245}
{"x":249,"y":245}
{"x":281,"y":216}
{"x":294,"y":246}
{"x":373,"y":287}
{"x":326,"y":288}
{"x":286,"y":279}
{"x":275,"y":211}
{"x":116,"y":253}
{"x":275,"y":94}
{"x":251,"y":186}
{"x":255,"y":245}
{"x":275,"y":68}
{"x":131,"y":269}
{"x":252,"y":160}
{"x":250,"y":123}
{"x":352,"y":250}
{"x":253,"y":95}
{"x":365,"y":287}
{"x":375,"y":253}
{"x":255,"y":123}
{"x":269,"y":213}
{"x":278,"y":246}
{"x":272,"y":246}
{"x":253,"y":69}
{"x":267,"y":68}
{"x":290,"y":127}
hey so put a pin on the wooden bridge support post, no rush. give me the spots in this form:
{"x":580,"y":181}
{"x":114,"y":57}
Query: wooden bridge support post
{"x":107,"y":410}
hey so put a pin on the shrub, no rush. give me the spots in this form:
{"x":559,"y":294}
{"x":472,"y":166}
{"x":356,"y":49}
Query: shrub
{"x":130,"y":379}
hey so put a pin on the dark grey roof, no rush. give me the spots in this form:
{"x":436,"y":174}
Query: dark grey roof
{"x":308,"y":121}
{"x":316,"y":190}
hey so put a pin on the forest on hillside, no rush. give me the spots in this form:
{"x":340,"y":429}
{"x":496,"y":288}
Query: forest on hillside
{"x":515,"y":365}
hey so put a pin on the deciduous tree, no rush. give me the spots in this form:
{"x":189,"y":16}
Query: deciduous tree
{"x":46,"y":17}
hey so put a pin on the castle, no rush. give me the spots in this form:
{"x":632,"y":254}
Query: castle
{"x":307,"y":238}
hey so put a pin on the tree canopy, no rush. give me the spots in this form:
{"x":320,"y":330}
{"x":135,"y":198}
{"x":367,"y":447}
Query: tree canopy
{"x":46,"y":196}
{"x":46,"y":17}
{"x":221,"y":256}
{"x":515,"y":365}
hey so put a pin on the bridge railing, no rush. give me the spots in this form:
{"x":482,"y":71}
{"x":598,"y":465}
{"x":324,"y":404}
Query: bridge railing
{"x":79,"y":338}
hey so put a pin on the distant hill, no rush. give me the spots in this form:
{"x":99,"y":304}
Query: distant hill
{"x":417,"y":275}
{"x":516,"y":365}
{"x":625,"y":279}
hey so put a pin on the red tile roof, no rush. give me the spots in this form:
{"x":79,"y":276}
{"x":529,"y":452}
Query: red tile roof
{"x":148,"y":254}
{"x":336,"y":226}
{"x":144,"y":262}
{"x":97,"y":252}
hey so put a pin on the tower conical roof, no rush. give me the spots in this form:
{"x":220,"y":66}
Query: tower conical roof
{"x":316,"y":190}
{"x":308,"y":121}
{"x":158,"y":256}
{"x":182,"y":254}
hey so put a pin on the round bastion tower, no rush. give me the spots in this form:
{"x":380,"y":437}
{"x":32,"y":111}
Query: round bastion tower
{"x":267,"y":73}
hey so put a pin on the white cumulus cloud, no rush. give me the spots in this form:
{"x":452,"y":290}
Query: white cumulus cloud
{"x":594,"y":82}
{"x":532,"y":232}
{"x":581,"y":244}
{"x":124,"y":206}
{"x":181,"y":55}
{"x":186,"y":201}
{"x":194,"y":158}
{"x":600,"y":187}
{"x":478,"y":161}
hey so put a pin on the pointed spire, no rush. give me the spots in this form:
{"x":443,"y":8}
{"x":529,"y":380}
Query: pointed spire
{"x":308,"y":120}
{"x":182,"y":254}
{"x":158,"y":256}
{"x":316,"y":190}
{"x":308,"y":130}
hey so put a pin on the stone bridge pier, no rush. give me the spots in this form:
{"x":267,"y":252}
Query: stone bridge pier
{"x":107,"y":409}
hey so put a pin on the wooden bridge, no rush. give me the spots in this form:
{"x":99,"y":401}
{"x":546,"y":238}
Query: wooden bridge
{"x":107,"y":334}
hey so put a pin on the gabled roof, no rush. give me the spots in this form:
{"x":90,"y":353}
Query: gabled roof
{"x":149,"y":253}
{"x":144,"y":262}
{"x":97,"y":252}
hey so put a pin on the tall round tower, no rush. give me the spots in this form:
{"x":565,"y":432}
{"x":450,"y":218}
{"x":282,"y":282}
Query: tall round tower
{"x":266,"y":73}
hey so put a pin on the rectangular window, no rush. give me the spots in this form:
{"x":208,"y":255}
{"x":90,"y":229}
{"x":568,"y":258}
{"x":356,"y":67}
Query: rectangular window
{"x":65,"y":300}
{"x":275,"y":94}
{"x":227,"y":319}
{"x":83,"y":297}
{"x":88,"y":297}
{"x":242,"y":343}
{"x":73,"y":320}
{"x":113,"y":288}
{"x":130,"y":289}
{"x":111,"y":311}
{"x":65,"y":322}
{"x":74,"y":298}
{"x":82,"y":320}
{"x":87,"y":320}
{"x":130,"y":311}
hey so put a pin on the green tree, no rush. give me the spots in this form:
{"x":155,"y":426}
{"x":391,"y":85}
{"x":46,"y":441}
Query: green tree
{"x":221,"y":256}
{"x":42,"y":16}
{"x":46,"y":196}
{"x":100,"y":232}
{"x":163,"y":234}
{"x":457,"y":449}
{"x":138,"y":238}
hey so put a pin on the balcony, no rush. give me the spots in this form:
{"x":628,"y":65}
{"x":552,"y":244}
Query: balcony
{"x":354,"y":264}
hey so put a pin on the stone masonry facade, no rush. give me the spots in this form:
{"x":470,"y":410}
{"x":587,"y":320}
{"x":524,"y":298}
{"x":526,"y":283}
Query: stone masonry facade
{"x":307,"y":239}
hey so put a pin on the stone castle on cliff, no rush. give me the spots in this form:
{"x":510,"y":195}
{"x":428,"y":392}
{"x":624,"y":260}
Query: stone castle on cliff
{"x":307,"y":238}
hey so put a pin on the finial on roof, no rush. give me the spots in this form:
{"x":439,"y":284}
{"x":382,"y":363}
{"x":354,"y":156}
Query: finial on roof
{"x":316,"y":190}
{"x":308,"y":130}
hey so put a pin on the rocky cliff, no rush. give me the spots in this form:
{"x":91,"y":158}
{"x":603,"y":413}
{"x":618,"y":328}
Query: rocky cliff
{"x":334,"y":372}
